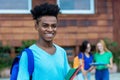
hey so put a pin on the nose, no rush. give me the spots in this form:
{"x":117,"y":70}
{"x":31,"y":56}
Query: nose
{"x":50,"y":28}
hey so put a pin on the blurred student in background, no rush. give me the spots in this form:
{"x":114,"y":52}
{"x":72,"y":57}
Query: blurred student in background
{"x":86,"y":58}
{"x":102,"y":55}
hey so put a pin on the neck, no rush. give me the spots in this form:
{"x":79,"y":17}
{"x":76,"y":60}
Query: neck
{"x":101,"y":52}
{"x":87,"y":54}
{"x":45,"y":43}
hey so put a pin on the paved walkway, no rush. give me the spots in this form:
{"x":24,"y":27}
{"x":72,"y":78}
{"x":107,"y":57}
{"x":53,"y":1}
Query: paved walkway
{"x":113,"y":76}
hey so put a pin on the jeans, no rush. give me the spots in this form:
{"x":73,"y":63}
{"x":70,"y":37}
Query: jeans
{"x":102,"y":74}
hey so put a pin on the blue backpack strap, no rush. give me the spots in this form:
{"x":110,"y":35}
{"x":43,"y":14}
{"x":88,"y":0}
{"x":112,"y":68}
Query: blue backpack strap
{"x":14,"y":68}
{"x":30,"y":61}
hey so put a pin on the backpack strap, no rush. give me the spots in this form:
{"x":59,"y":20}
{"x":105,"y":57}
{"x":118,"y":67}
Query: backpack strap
{"x":30,"y":61}
{"x":14,"y":68}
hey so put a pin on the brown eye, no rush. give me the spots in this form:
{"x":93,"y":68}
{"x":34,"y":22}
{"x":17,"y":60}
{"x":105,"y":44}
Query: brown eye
{"x":45,"y":25}
{"x":53,"y":25}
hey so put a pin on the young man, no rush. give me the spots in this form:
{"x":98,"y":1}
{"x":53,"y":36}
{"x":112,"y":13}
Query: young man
{"x":50,"y":60}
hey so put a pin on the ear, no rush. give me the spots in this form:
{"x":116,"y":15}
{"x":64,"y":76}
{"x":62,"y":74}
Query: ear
{"x":36,"y":26}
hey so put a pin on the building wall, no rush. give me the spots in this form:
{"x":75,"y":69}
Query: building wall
{"x":72,"y":28}
{"x":116,"y":20}
{"x":75,"y":28}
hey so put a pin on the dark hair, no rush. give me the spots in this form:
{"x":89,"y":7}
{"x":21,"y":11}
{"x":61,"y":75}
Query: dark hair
{"x":83,"y":47}
{"x":45,"y":10}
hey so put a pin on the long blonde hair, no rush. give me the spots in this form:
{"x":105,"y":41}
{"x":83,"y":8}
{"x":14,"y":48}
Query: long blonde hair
{"x":104,"y":46}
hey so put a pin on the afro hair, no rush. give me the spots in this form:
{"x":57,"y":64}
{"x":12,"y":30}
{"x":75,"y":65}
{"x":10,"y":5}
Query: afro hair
{"x":45,"y":10}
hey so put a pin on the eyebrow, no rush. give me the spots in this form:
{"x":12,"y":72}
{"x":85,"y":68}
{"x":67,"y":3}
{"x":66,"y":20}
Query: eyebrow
{"x":48,"y":23}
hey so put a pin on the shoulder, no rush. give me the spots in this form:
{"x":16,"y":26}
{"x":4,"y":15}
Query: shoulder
{"x":59,"y":48}
{"x":91,"y":54}
{"x":24,"y":52}
{"x":33,"y":47}
{"x":109,"y":53}
{"x":23,"y":57}
{"x":96,"y":54}
{"x":80,"y":55}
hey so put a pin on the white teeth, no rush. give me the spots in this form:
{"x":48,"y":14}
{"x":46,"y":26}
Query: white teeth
{"x":49,"y":35}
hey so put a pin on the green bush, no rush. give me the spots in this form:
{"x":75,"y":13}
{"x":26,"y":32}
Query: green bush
{"x":5,"y":49}
{"x":25,"y":44}
{"x":5,"y":60}
{"x":114,"y":48}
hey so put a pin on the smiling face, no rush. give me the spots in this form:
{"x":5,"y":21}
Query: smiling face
{"x":88,"y":49}
{"x":100,"y":47}
{"x":46,"y":28}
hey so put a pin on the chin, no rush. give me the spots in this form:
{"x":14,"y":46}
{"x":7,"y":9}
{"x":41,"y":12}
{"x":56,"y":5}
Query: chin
{"x":49,"y":40}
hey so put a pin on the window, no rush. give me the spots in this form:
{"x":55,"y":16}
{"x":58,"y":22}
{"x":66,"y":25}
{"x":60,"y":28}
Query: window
{"x":15,"y":6}
{"x":76,"y":6}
